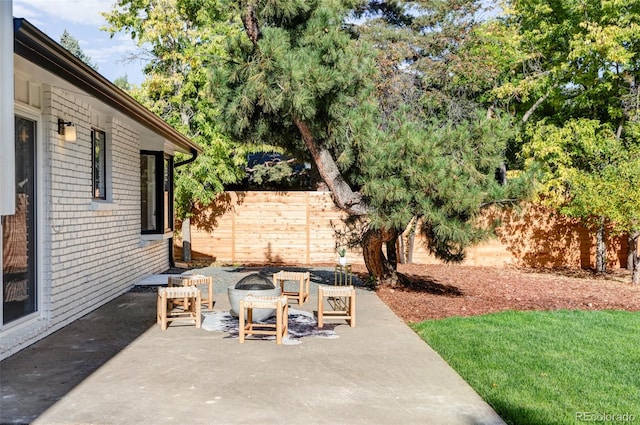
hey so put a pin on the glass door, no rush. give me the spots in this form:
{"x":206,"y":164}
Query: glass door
{"x":19,"y":289}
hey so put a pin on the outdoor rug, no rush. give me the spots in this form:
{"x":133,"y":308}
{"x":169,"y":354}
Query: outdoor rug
{"x":301,"y":324}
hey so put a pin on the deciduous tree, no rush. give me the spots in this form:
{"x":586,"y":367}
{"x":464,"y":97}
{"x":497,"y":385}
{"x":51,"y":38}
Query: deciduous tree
{"x":577,"y":78}
{"x":178,"y":39}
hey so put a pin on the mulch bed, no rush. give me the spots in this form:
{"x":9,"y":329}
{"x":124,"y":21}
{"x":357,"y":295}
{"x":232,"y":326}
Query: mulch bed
{"x":439,"y":291}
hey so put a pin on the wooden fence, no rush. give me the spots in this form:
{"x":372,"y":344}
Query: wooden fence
{"x":303,"y":228}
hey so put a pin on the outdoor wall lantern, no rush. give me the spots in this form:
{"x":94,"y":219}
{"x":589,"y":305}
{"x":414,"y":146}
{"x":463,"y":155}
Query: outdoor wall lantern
{"x":67,"y":129}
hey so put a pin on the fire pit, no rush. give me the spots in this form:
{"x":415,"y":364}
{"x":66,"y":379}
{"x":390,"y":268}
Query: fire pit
{"x":254,"y":284}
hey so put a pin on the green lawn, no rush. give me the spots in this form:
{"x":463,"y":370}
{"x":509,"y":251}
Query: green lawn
{"x":561,"y":367}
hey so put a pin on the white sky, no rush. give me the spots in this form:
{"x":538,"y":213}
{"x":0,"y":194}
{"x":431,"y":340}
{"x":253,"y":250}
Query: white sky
{"x":82,"y":19}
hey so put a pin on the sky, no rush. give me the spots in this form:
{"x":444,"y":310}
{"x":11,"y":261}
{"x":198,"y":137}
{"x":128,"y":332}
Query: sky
{"x":82,"y":19}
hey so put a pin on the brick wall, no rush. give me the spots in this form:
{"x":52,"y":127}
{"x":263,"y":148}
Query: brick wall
{"x":90,"y":252}
{"x":95,"y":245}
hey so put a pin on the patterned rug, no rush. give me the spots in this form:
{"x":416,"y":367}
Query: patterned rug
{"x":301,"y":324}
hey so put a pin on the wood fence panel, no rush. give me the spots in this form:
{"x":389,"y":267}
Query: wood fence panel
{"x":300,"y":228}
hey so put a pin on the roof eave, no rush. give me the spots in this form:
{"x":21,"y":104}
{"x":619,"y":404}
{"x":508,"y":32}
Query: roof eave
{"x":37,"y":47}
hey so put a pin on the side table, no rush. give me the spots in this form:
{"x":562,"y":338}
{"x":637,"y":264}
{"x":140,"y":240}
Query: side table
{"x":342,"y":275}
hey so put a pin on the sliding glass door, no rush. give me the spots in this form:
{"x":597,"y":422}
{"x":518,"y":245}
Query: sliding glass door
{"x":19,"y":289}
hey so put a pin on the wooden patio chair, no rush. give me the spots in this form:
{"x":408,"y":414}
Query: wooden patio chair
{"x":301,"y":278}
{"x":249,"y":327}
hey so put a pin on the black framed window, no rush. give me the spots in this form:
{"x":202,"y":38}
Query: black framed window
{"x":156,"y":192}
{"x":99,"y":159}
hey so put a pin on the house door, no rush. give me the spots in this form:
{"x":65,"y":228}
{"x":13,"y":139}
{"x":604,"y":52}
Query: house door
{"x":19,"y":289}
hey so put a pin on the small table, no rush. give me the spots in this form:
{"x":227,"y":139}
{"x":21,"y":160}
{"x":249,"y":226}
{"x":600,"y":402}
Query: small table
{"x":342,"y":300}
{"x":342,"y":275}
{"x":249,"y":327}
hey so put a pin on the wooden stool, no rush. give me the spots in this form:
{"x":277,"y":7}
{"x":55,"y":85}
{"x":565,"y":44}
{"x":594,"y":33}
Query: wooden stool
{"x":279,"y":329}
{"x":303,"y":278}
{"x":343,"y":305}
{"x":194,"y":280}
{"x":167,"y":295}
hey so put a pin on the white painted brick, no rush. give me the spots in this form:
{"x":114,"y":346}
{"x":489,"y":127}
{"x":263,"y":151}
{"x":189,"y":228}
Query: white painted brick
{"x":94,"y":255}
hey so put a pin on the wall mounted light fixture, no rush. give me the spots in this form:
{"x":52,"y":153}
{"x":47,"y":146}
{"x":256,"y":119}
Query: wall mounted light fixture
{"x":67,"y":129}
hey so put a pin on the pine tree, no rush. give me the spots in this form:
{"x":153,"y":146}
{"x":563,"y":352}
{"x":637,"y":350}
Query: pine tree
{"x":71,"y":43}
{"x":300,"y":76}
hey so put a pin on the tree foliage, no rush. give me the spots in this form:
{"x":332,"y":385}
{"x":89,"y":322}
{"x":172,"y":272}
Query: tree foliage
{"x":178,"y":40}
{"x":302,"y":83}
{"x":394,"y":132}
{"x":123,"y":83}
{"x":72,"y":44}
{"x":579,"y":57}
{"x":441,"y":173}
{"x":575,"y":86}
{"x":435,"y":67}
{"x":588,"y":173}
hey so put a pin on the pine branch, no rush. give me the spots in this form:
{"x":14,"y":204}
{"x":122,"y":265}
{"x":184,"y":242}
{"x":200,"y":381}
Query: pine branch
{"x":509,"y":201}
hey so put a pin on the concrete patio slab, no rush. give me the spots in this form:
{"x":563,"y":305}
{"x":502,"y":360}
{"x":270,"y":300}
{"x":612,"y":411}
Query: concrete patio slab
{"x":116,"y":366}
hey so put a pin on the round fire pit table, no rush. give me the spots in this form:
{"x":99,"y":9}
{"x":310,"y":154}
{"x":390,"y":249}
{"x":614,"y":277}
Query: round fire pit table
{"x":257,"y":285}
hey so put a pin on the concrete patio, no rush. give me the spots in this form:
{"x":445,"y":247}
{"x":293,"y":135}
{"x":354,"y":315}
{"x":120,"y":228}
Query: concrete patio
{"x":116,"y":366}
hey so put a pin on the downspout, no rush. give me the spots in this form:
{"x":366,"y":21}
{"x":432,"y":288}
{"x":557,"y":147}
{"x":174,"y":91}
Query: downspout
{"x":194,"y":154}
{"x":172,"y":262}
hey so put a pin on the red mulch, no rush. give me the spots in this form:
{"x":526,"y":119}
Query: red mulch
{"x":439,"y":291}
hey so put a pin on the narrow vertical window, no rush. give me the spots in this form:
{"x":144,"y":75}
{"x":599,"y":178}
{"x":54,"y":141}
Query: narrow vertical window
{"x":99,"y":164}
{"x":149,"y":200}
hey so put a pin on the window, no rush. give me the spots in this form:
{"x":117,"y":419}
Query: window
{"x":156,"y":197}
{"x":99,"y":150}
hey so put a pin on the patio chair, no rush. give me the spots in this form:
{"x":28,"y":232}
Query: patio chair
{"x":248,"y":327}
{"x":301,"y":278}
{"x":341,"y":299}
{"x":194,"y":280}
{"x":166,"y":314}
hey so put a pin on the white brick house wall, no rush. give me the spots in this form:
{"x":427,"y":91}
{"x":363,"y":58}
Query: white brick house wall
{"x":89,"y":252}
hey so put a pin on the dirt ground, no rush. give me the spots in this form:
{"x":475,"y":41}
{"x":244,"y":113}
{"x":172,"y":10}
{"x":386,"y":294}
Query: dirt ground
{"x":438,"y":291}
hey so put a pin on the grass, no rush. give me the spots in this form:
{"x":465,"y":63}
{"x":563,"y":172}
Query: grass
{"x":560,"y":367}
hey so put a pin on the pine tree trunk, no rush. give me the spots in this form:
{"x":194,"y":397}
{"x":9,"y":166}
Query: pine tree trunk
{"x":377,"y":264}
{"x":630,"y":252}
{"x":344,"y":197}
{"x":402,"y":258}
{"x":412,"y":240}
{"x":392,"y":253}
{"x":601,"y":249}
